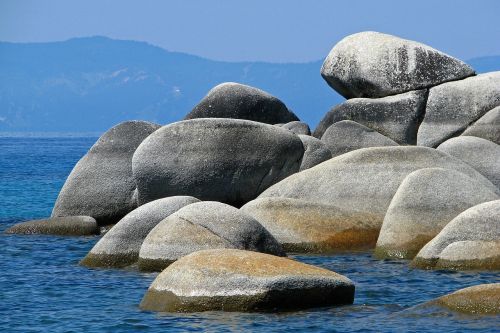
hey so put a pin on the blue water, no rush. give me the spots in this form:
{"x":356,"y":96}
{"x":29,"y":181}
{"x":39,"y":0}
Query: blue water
{"x":42,"y":288}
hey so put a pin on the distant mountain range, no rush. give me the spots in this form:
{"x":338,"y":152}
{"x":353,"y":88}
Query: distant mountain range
{"x":90,"y":84}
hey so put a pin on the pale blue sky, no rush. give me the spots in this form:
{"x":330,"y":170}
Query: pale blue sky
{"x":267,"y":30}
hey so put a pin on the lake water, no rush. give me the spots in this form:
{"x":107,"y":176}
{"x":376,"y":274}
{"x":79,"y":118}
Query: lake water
{"x":42,"y":288}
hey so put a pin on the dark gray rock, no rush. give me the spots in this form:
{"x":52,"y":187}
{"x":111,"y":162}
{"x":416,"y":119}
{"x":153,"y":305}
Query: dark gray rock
{"x":487,"y":127}
{"x":481,"y":154}
{"x":315,"y":152}
{"x":372,"y":64}
{"x":236,"y":280}
{"x":453,"y":106}
{"x":297,"y":127}
{"x":201,"y":226}
{"x":120,"y":246}
{"x":347,"y":135}
{"x":226,"y":160}
{"x":101,"y":184}
{"x":239,"y":101}
{"x":63,"y":226}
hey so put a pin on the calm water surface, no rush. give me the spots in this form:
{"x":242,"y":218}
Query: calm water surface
{"x":42,"y":288}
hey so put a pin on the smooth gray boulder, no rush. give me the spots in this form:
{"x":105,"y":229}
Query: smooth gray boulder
{"x":101,"y":184}
{"x":236,"y":280}
{"x":347,"y":135}
{"x":362,"y":182}
{"x":453,"y":106}
{"x":481,"y":154}
{"x":226,"y":160}
{"x":120,"y":246}
{"x":315,"y":152}
{"x":372,"y":64}
{"x":201,"y":226}
{"x":396,"y":117}
{"x":487,"y":127}
{"x":62,"y":226}
{"x":239,"y":101}
{"x":424,"y":203}
{"x":297,"y":127}
{"x":470,"y":241}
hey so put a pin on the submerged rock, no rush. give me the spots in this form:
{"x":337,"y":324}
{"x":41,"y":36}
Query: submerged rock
{"x":201,"y":226}
{"x":239,"y":101}
{"x":63,"y":226}
{"x":235,"y":280}
{"x":372,"y":64}
{"x":297,"y":127}
{"x":315,"y":152}
{"x":487,"y":127}
{"x":120,"y":246}
{"x":101,"y":184}
{"x":424,"y":203}
{"x":226,"y":160}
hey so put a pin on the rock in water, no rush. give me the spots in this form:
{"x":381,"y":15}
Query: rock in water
{"x":396,"y":117}
{"x":63,"y":226}
{"x":470,"y":241}
{"x":372,"y":64}
{"x":487,"y":127}
{"x":297,"y":127}
{"x":226,"y":160}
{"x":425,"y":202}
{"x":235,"y":280}
{"x":239,"y":101}
{"x":481,"y":154}
{"x":315,"y":152}
{"x":347,"y":135}
{"x":201,"y":226}
{"x":453,"y":106}
{"x":101,"y":184}
{"x":120,"y":246}
{"x":309,"y":227}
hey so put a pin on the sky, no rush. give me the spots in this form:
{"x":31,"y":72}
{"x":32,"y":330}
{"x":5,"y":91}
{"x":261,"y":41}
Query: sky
{"x":257,"y":30}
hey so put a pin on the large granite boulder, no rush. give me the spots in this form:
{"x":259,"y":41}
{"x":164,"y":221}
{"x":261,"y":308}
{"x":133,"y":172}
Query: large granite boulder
{"x":315,"y":152}
{"x":396,"y":117}
{"x":347,"y":135}
{"x":201,"y":226}
{"x":120,"y":246}
{"x":310,"y":227}
{"x":235,"y":280}
{"x":363,"y":182}
{"x":481,"y":154}
{"x":234,"y":100}
{"x":62,"y":226}
{"x":487,"y":127}
{"x":453,"y":106}
{"x":372,"y":64}
{"x":297,"y":127}
{"x":226,"y":160}
{"x":424,"y":203}
{"x":101,"y":184}
{"x":470,"y":241}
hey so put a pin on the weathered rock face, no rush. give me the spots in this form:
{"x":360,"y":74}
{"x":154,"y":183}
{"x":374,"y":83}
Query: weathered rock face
{"x":309,"y":227}
{"x":201,"y":226}
{"x":315,"y":152}
{"x":470,"y":241}
{"x":120,"y":246}
{"x":234,"y":100}
{"x":372,"y":64}
{"x":396,"y":117}
{"x":63,"y":226}
{"x":487,"y":127}
{"x":363,"y":182}
{"x":226,"y":160}
{"x":347,"y":135}
{"x":297,"y":127}
{"x":453,"y":106}
{"x":101,"y":184}
{"x":235,"y":280}
{"x":481,"y":154}
{"x":425,"y":202}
